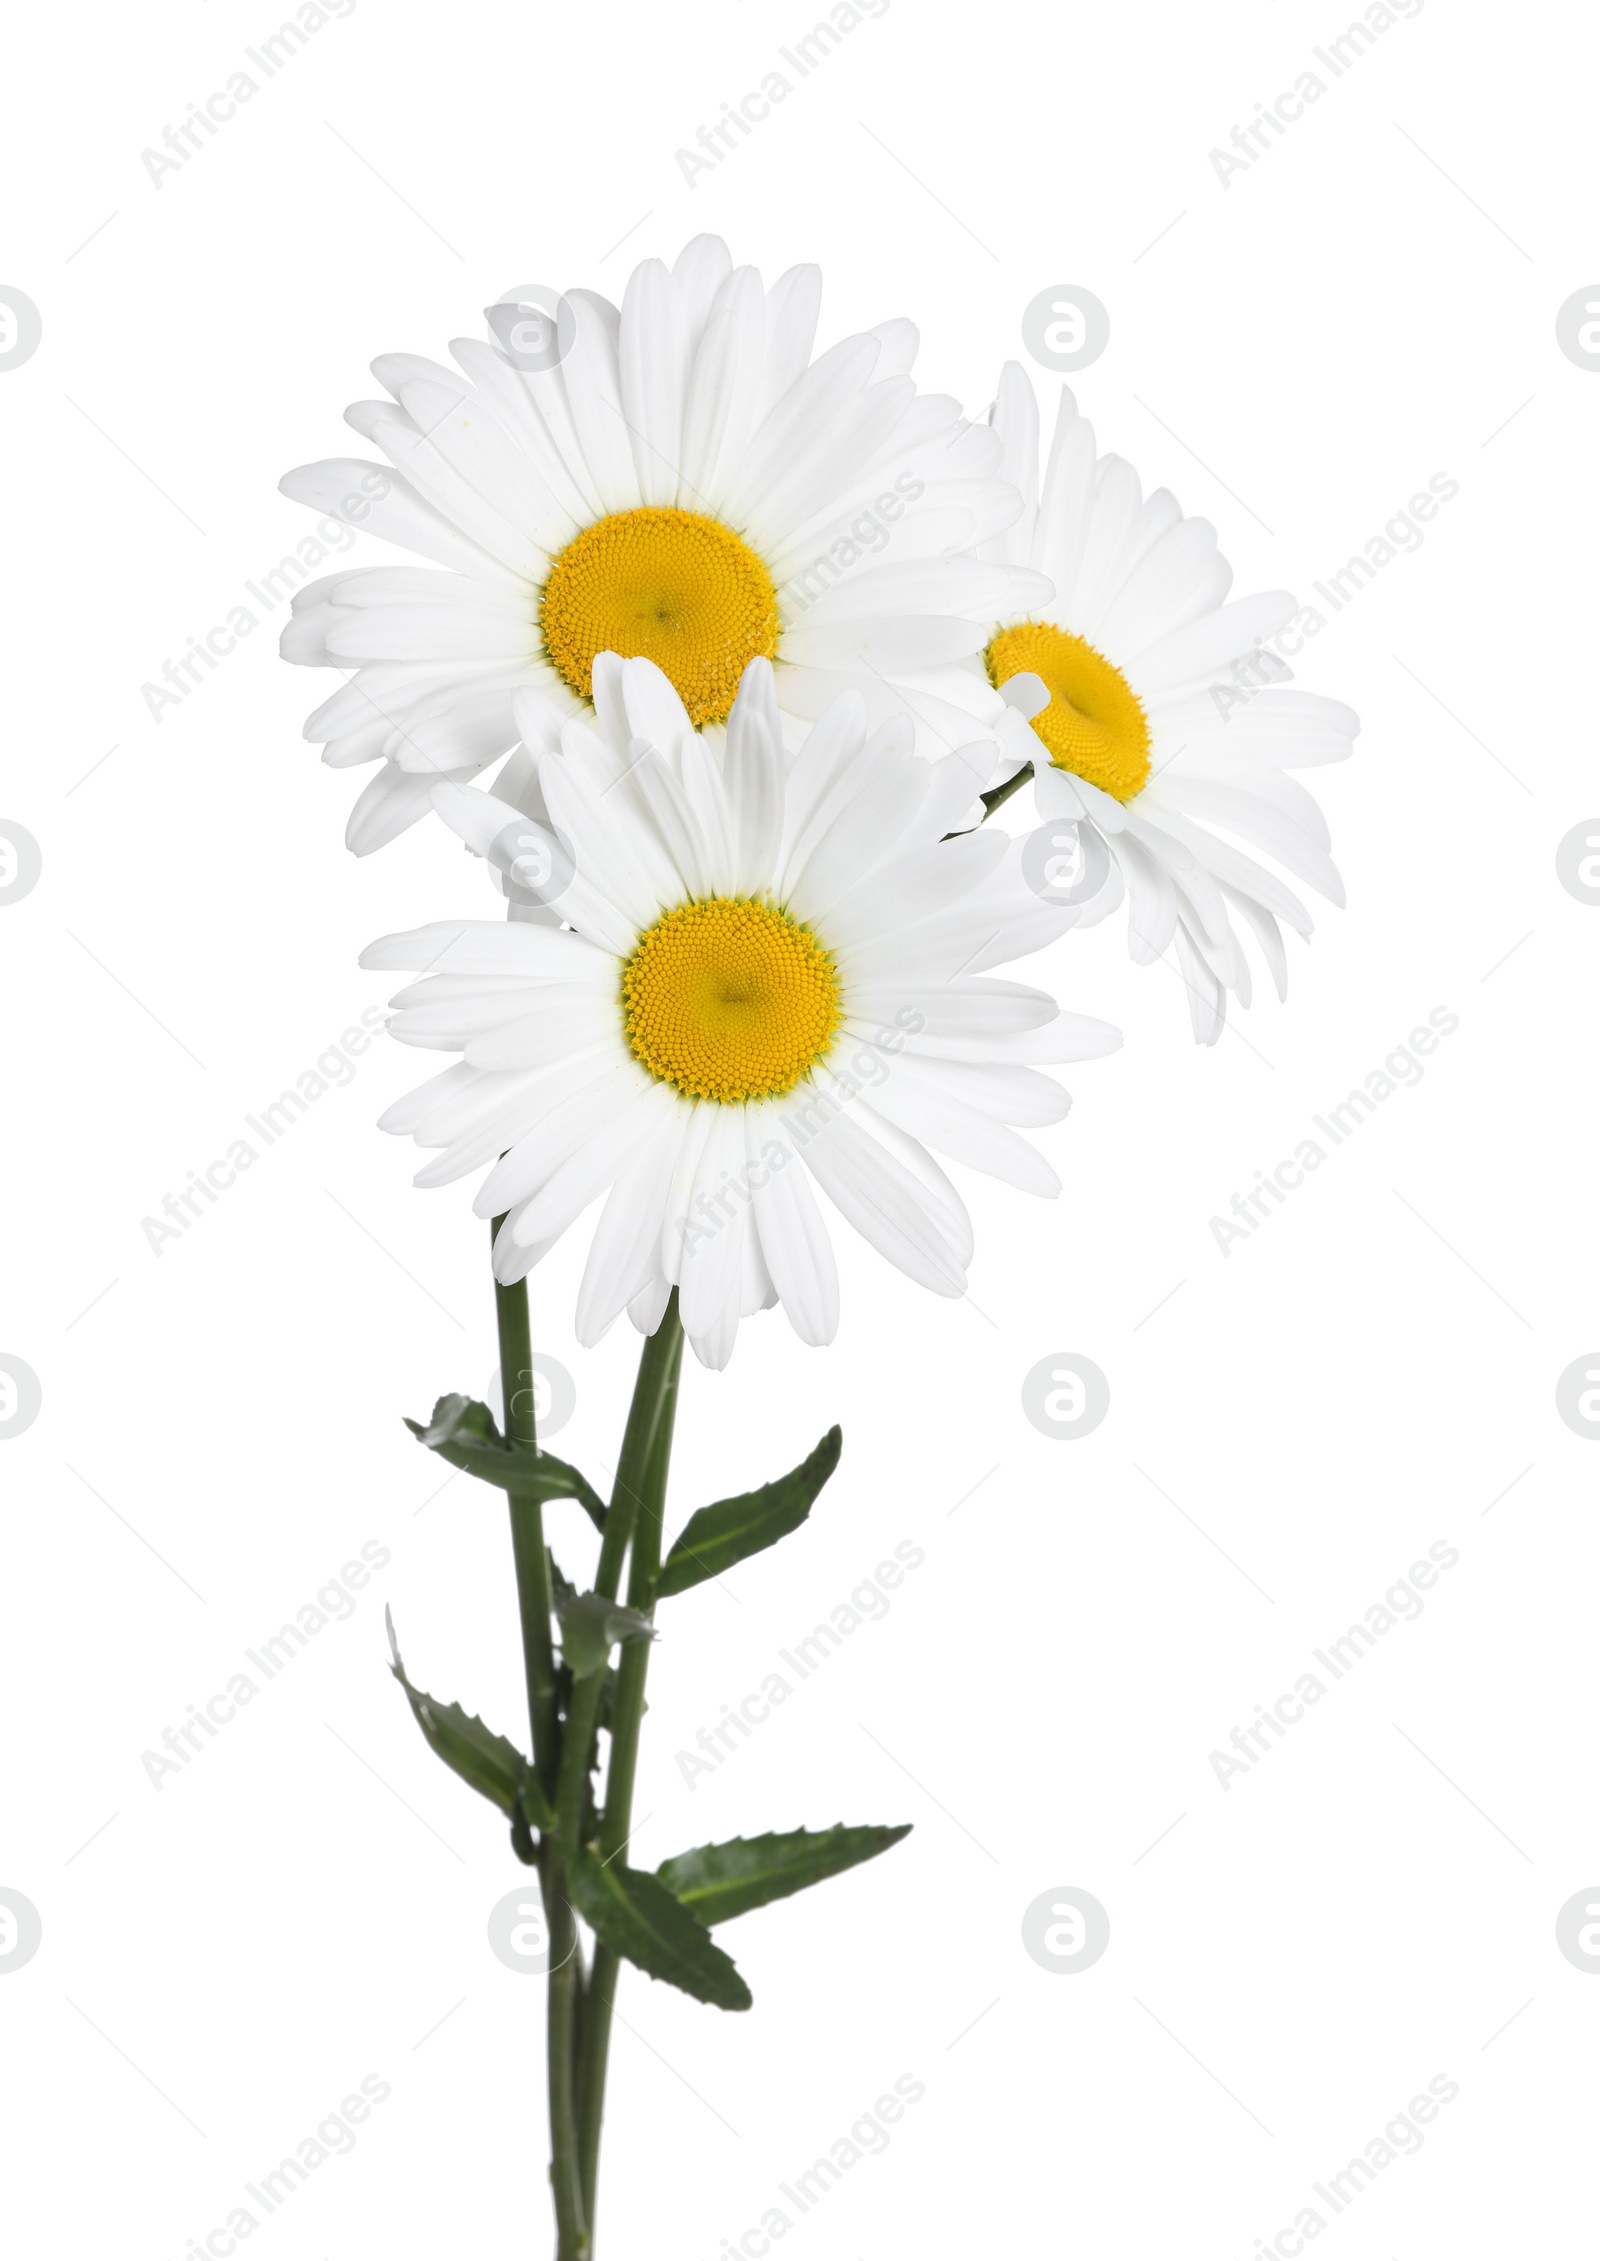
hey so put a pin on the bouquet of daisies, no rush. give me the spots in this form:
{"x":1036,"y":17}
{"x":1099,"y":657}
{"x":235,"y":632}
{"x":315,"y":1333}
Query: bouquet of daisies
{"x":755,"y":640}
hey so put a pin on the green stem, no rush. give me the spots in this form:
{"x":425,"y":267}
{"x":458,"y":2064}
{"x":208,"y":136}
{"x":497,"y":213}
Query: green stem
{"x":538,"y":1652}
{"x":566,"y":2175}
{"x":647,"y":1438}
{"x":642,"y":1485}
{"x":527,"y":1530}
{"x":998,"y":795}
{"x":582,"y":1711}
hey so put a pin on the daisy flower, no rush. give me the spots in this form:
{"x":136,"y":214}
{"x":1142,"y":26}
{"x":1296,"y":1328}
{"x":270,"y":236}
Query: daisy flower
{"x":1155,"y":720}
{"x":772,"y":975}
{"x":684,"y":482}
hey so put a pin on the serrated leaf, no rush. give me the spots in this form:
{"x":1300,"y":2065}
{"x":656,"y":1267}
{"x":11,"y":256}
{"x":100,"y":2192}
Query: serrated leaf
{"x":487,"y":1762}
{"x":591,"y":1626}
{"x":463,"y":1432}
{"x":714,"y":1538}
{"x":639,"y":1919}
{"x":717,"y":1882}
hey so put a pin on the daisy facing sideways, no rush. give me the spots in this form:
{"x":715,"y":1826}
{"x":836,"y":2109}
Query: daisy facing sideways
{"x":679,"y":480}
{"x":1152,"y":715}
{"x":772,"y":975}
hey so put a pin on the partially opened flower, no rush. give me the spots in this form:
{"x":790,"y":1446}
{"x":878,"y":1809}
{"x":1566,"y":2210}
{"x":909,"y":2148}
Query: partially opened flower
{"x":772,"y":975}
{"x":1157,"y":719}
{"x":679,"y":481}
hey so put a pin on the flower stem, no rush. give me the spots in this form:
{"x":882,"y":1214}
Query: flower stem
{"x":998,"y":795}
{"x":640,"y":1494}
{"x":566,"y":2180}
{"x":996,"y":798}
{"x":538,"y":1651}
{"x":527,"y":1529}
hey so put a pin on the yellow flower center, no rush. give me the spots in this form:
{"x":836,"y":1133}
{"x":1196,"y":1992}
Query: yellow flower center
{"x":730,"y":999}
{"x":1094,"y":724}
{"x":672,"y":586}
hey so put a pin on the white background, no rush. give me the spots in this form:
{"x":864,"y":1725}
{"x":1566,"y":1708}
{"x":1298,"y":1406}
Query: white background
{"x":1374,"y":1370}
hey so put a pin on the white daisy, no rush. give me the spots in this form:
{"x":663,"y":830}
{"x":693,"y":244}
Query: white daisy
{"x":1157,"y":720}
{"x":684,"y":483}
{"x":772,"y":975}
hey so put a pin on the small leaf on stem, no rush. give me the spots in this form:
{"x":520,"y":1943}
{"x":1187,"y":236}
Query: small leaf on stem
{"x":639,"y":1919}
{"x":591,"y":1625}
{"x":716,"y":1882}
{"x":714,"y":1538}
{"x":463,"y":1432}
{"x":489,"y":1764}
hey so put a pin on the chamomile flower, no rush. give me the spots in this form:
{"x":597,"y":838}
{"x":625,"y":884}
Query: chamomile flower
{"x":1153,"y":715}
{"x":683,"y":482}
{"x":772,"y":975}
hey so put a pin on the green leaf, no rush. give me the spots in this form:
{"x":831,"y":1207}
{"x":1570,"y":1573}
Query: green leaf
{"x":591,"y":1626}
{"x":463,"y":1432}
{"x":714,"y":1538}
{"x":638,"y":1918}
{"x":716,"y":1882}
{"x":484,"y":1760}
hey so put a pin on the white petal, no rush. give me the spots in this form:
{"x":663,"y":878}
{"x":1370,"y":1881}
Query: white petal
{"x":928,"y":883}
{"x":1207,"y":645}
{"x":652,"y":354}
{"x":1152,"y":898}
{"x":388,"y":806}
{"x":753,"y":776}
{"x":879,"y":1196}
{"x":1015,"y":418}
{"x":1069,"y":1036}
{"x":713,"y":1245}
{"x":562,"y":1019}
{"x":1268,"y":934}
{"x":793,"y":304}
{"x":792,"y":1235}
{"x":654,"y":710}
{"x":564,"y":1114}
{"x":624,"y":1255}
{"x":724,"y":397}
{"x":437,"y":480}
{"x":592,"y":388}
{"x":471,"y":946}
{"x":607,"y":1149}
{"x":1252,"y":816}
{"x":915,"y":1098}
{"x":377,"y":498}
{"x":976,"y":1009}
{"x":465,"y":429}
